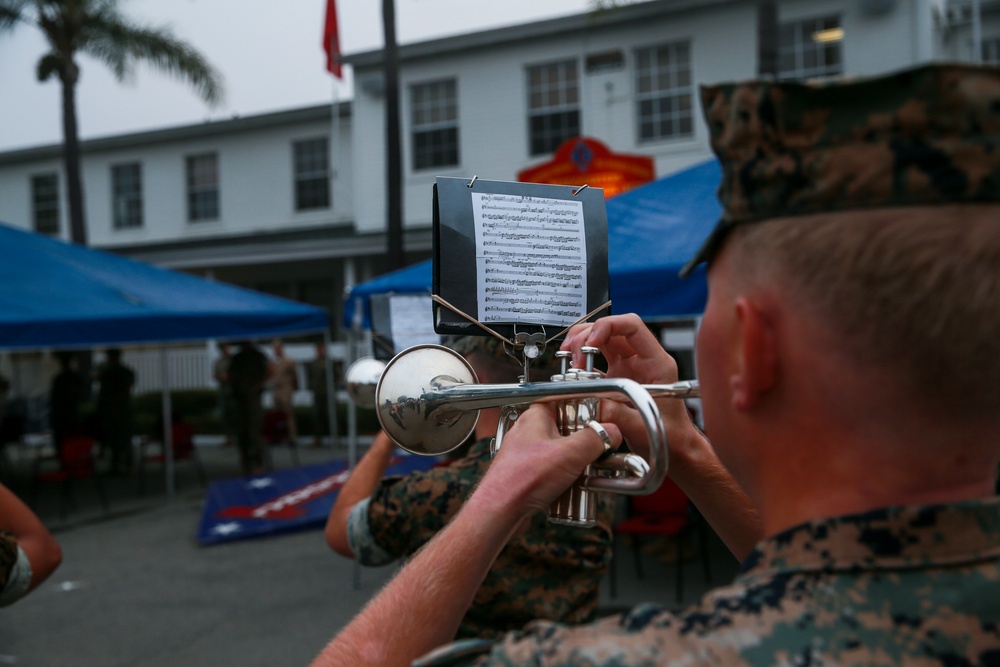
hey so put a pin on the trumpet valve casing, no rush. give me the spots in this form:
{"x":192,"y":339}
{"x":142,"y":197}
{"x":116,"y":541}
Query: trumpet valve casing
{"x":577,"y":506}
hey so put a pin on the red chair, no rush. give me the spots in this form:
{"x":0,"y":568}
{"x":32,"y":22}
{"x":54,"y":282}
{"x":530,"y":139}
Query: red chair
{"x":664,"y":513}
{"x":75,"y":460}
{"x":182,"y":436}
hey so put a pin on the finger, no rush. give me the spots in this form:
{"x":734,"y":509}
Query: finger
{"x":590,"y":443}
{"x":596,"y":427}
{"x":624,"y":336}
{"x":576,"y":336}
{"x":629,"y":423}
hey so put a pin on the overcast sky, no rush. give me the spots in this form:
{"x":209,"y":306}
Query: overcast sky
{"x":268,"y":52}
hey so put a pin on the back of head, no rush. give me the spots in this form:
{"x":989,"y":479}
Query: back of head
{"x":909,"y":293}
{"x":493,"y":364}
{"x":872,"y":206}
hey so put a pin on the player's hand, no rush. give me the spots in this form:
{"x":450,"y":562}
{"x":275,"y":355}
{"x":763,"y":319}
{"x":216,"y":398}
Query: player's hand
{"x":632,"y":351}
{"x":536,"y":463}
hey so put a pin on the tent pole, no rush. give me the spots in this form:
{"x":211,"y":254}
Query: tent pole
{"x":331,"y":398}
{"x":352,"y":442}
{"x":168,"y":443}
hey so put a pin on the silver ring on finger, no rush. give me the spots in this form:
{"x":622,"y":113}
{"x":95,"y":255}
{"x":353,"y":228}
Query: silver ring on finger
{"x":599,"y":430}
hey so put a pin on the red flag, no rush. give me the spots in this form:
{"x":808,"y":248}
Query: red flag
{"x":331,"y":40}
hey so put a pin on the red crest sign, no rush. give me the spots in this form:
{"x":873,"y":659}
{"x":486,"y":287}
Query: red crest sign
{"x":584,"y":160}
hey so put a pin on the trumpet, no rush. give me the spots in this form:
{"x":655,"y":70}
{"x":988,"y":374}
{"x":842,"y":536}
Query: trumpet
{"x":428,"y":399}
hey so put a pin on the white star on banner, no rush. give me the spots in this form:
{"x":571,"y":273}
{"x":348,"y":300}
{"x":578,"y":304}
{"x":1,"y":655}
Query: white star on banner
{"x":226,"y":528}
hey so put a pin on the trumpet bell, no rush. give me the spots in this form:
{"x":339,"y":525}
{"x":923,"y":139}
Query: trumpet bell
{"x":362,"y":379}
{"x":419,"y":424}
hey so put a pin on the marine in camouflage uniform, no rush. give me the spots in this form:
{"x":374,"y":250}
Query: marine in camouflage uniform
{"x":247,"y":375}
{"x":916,"y":585}
{"x":549,"y":571}
{"x":901,"y":585}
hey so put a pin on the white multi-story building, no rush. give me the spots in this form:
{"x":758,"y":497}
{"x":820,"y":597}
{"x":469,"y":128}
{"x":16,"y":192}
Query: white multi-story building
{"x":294,"y":203}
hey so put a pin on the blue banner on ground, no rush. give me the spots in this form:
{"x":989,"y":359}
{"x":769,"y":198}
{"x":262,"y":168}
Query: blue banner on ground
{"x":282,"y":500}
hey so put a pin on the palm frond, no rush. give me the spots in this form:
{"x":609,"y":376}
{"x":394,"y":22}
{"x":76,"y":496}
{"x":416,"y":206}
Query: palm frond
{"x":11,"y":13}
{"x":119,"y":43}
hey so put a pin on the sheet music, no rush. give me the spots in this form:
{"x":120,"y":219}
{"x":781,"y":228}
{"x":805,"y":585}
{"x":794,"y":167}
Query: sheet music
{"x":531,"y":259}
{"x":411,"y":321}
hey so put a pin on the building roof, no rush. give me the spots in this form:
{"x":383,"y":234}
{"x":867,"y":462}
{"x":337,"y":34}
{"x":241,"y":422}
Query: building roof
{"x":632,"y":13}
{"x":319,"y":112}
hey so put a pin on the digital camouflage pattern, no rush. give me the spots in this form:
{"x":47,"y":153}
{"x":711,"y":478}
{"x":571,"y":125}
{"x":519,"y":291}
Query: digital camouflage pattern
{"x":924,"y":136}
{"x":549,"y":571}
{"x":542,"y":368}
{"x":904,"y":586}
{"x":8,"y":556}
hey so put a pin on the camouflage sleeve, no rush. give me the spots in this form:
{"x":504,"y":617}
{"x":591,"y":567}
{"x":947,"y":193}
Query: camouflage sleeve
{"x":8,"y":556}
{"x":360,"y":539}
{"x":405,"y":512}
{"x":643,"y":636}
{"x":16,"y":572}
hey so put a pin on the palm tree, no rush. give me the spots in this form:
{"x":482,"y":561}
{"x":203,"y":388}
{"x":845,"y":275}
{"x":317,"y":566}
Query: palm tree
{"x":98,"y":29}
{"x":395,"y":257}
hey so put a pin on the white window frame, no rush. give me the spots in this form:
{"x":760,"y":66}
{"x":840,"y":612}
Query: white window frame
{"x":806,"y":47}
{"x":664,"y":92}
{"x":434,"y":115}
{"x":553,"y":101}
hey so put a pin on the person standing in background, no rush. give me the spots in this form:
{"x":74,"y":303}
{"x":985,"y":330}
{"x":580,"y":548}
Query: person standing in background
{"x":114,"y":410}
{"x":284,"y":382}
{"x":247,"y":375}
{"x":65,"y":399}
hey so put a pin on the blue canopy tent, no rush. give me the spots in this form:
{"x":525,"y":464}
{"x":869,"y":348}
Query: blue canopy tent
{"x":653,"y":231}
{"x":60,"y":295}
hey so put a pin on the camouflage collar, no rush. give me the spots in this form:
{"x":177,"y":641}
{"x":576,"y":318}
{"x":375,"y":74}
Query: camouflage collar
{"x":891,"y":538}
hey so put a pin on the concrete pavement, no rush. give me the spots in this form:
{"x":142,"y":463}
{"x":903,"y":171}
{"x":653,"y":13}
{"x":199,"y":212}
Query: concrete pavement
{"x":136,"y":590}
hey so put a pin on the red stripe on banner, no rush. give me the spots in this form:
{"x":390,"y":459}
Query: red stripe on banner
{"x":289,"y":505}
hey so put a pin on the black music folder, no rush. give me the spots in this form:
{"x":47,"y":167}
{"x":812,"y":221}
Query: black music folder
{"x":518,"y":257}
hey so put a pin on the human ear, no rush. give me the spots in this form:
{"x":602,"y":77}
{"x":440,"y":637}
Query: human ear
{"x":756,"y":368}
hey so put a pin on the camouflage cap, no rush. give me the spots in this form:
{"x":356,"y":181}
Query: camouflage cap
{"x":494,"y":347}
{"x":488,"y":345}
{"x":924,"y":136}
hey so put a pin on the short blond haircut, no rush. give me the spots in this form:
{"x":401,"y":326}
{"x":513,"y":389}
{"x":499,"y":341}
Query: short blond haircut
{"x":912,"y":291}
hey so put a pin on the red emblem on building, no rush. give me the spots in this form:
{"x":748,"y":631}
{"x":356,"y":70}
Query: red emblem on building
{"x":587,"y":161}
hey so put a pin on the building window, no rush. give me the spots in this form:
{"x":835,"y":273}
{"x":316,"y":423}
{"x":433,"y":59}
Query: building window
{"x":312,"y":173}
{"x":811,"y":48}
{"x":553,"y":106}
{"x":126,"y":195}
{"x":45,"y":203}
{"x":663,"y":91}
{"x":991,"y":51}
{"x":202,"y":187}
{"x":435,"y":124}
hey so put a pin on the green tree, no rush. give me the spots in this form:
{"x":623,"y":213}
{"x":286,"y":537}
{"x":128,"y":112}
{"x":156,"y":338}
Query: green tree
{"x":98,"y":29}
